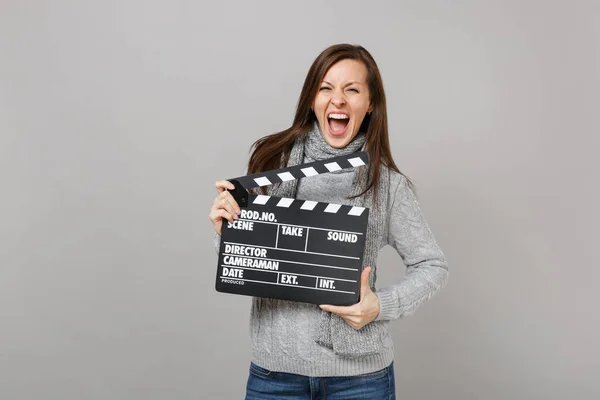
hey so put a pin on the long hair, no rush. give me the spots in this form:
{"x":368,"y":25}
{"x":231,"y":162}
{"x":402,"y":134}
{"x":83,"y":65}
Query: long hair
{"x":273,"y":151}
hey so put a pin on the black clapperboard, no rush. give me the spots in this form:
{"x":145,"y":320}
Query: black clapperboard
{"x":291,"y":249}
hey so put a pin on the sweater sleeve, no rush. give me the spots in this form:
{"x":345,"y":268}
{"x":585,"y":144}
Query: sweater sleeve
{"x":427,"y":269}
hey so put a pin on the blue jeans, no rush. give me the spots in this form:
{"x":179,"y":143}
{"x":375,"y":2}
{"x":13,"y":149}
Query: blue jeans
{"x":266,"y":385}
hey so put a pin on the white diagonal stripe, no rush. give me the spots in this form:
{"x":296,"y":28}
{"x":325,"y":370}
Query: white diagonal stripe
{"x":261,"y":199}
{"x":333,"y":166}
{"x":309,"y":205}
{"x":285,"y":202}
{"x":356,"y":211}
{"x":262,"y":181}
{"x":286,"y":176}
{"x":332,"y":208}
{"x":356,"y":161}
{"x":310,"y":171}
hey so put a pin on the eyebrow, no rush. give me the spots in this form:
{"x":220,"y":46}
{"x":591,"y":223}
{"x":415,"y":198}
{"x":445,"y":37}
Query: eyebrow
{"x":348,"y":84}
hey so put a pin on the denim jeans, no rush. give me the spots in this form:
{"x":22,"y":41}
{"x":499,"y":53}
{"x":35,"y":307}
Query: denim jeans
{"x":266,"y":385}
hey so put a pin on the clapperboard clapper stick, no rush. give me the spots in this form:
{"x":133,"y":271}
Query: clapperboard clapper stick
{"x":298,"y":250}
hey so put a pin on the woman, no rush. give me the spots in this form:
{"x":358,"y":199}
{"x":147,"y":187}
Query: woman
{"x":304,"y":351}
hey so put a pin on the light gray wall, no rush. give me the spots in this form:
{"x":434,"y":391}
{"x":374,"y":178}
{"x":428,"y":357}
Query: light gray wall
{"x":116,"y":118}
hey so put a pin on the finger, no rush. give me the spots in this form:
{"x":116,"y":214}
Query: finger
{"x":222,"y":185}
{"x":225,"y":204}
{"x":227,"y":196}
{"x":342,"y":311}
{"x":356,"y":325}
{"x":218,"y":214}
{"x":364,"y":282}
{"x":354,"y":322}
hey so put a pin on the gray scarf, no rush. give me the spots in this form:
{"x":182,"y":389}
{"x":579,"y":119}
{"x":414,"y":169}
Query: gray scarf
{"x":334,"y":332}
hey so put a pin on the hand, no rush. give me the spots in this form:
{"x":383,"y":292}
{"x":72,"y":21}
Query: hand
{"x":224,"y":206}
{"x":363,"y":312}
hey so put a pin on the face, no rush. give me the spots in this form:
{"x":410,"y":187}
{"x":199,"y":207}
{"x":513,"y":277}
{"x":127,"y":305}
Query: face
{"x":342,"y":102}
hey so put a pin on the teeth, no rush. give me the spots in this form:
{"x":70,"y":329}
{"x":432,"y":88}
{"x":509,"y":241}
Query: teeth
{"x":338,"y":116}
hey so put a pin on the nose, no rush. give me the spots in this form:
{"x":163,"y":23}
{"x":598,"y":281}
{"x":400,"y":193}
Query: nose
{"x":338,"y":99}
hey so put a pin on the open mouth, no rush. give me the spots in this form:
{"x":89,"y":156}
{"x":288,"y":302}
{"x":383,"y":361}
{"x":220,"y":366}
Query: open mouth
{"x":338,"y":123}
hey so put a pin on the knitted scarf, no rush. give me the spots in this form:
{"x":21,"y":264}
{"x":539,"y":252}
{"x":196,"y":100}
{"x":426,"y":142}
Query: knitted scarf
{"x":334,"y":333}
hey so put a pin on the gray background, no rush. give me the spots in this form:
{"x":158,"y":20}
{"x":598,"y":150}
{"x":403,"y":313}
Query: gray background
{"x":116,"y":118}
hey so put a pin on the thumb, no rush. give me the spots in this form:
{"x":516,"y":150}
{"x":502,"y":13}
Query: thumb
{"x":364,"y":282}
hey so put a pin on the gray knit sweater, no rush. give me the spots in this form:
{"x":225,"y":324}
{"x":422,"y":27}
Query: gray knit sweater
{"x":283,"y":333}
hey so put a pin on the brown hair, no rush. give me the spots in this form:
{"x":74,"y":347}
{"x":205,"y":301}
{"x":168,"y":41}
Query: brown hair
{"x":272,"y":151}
